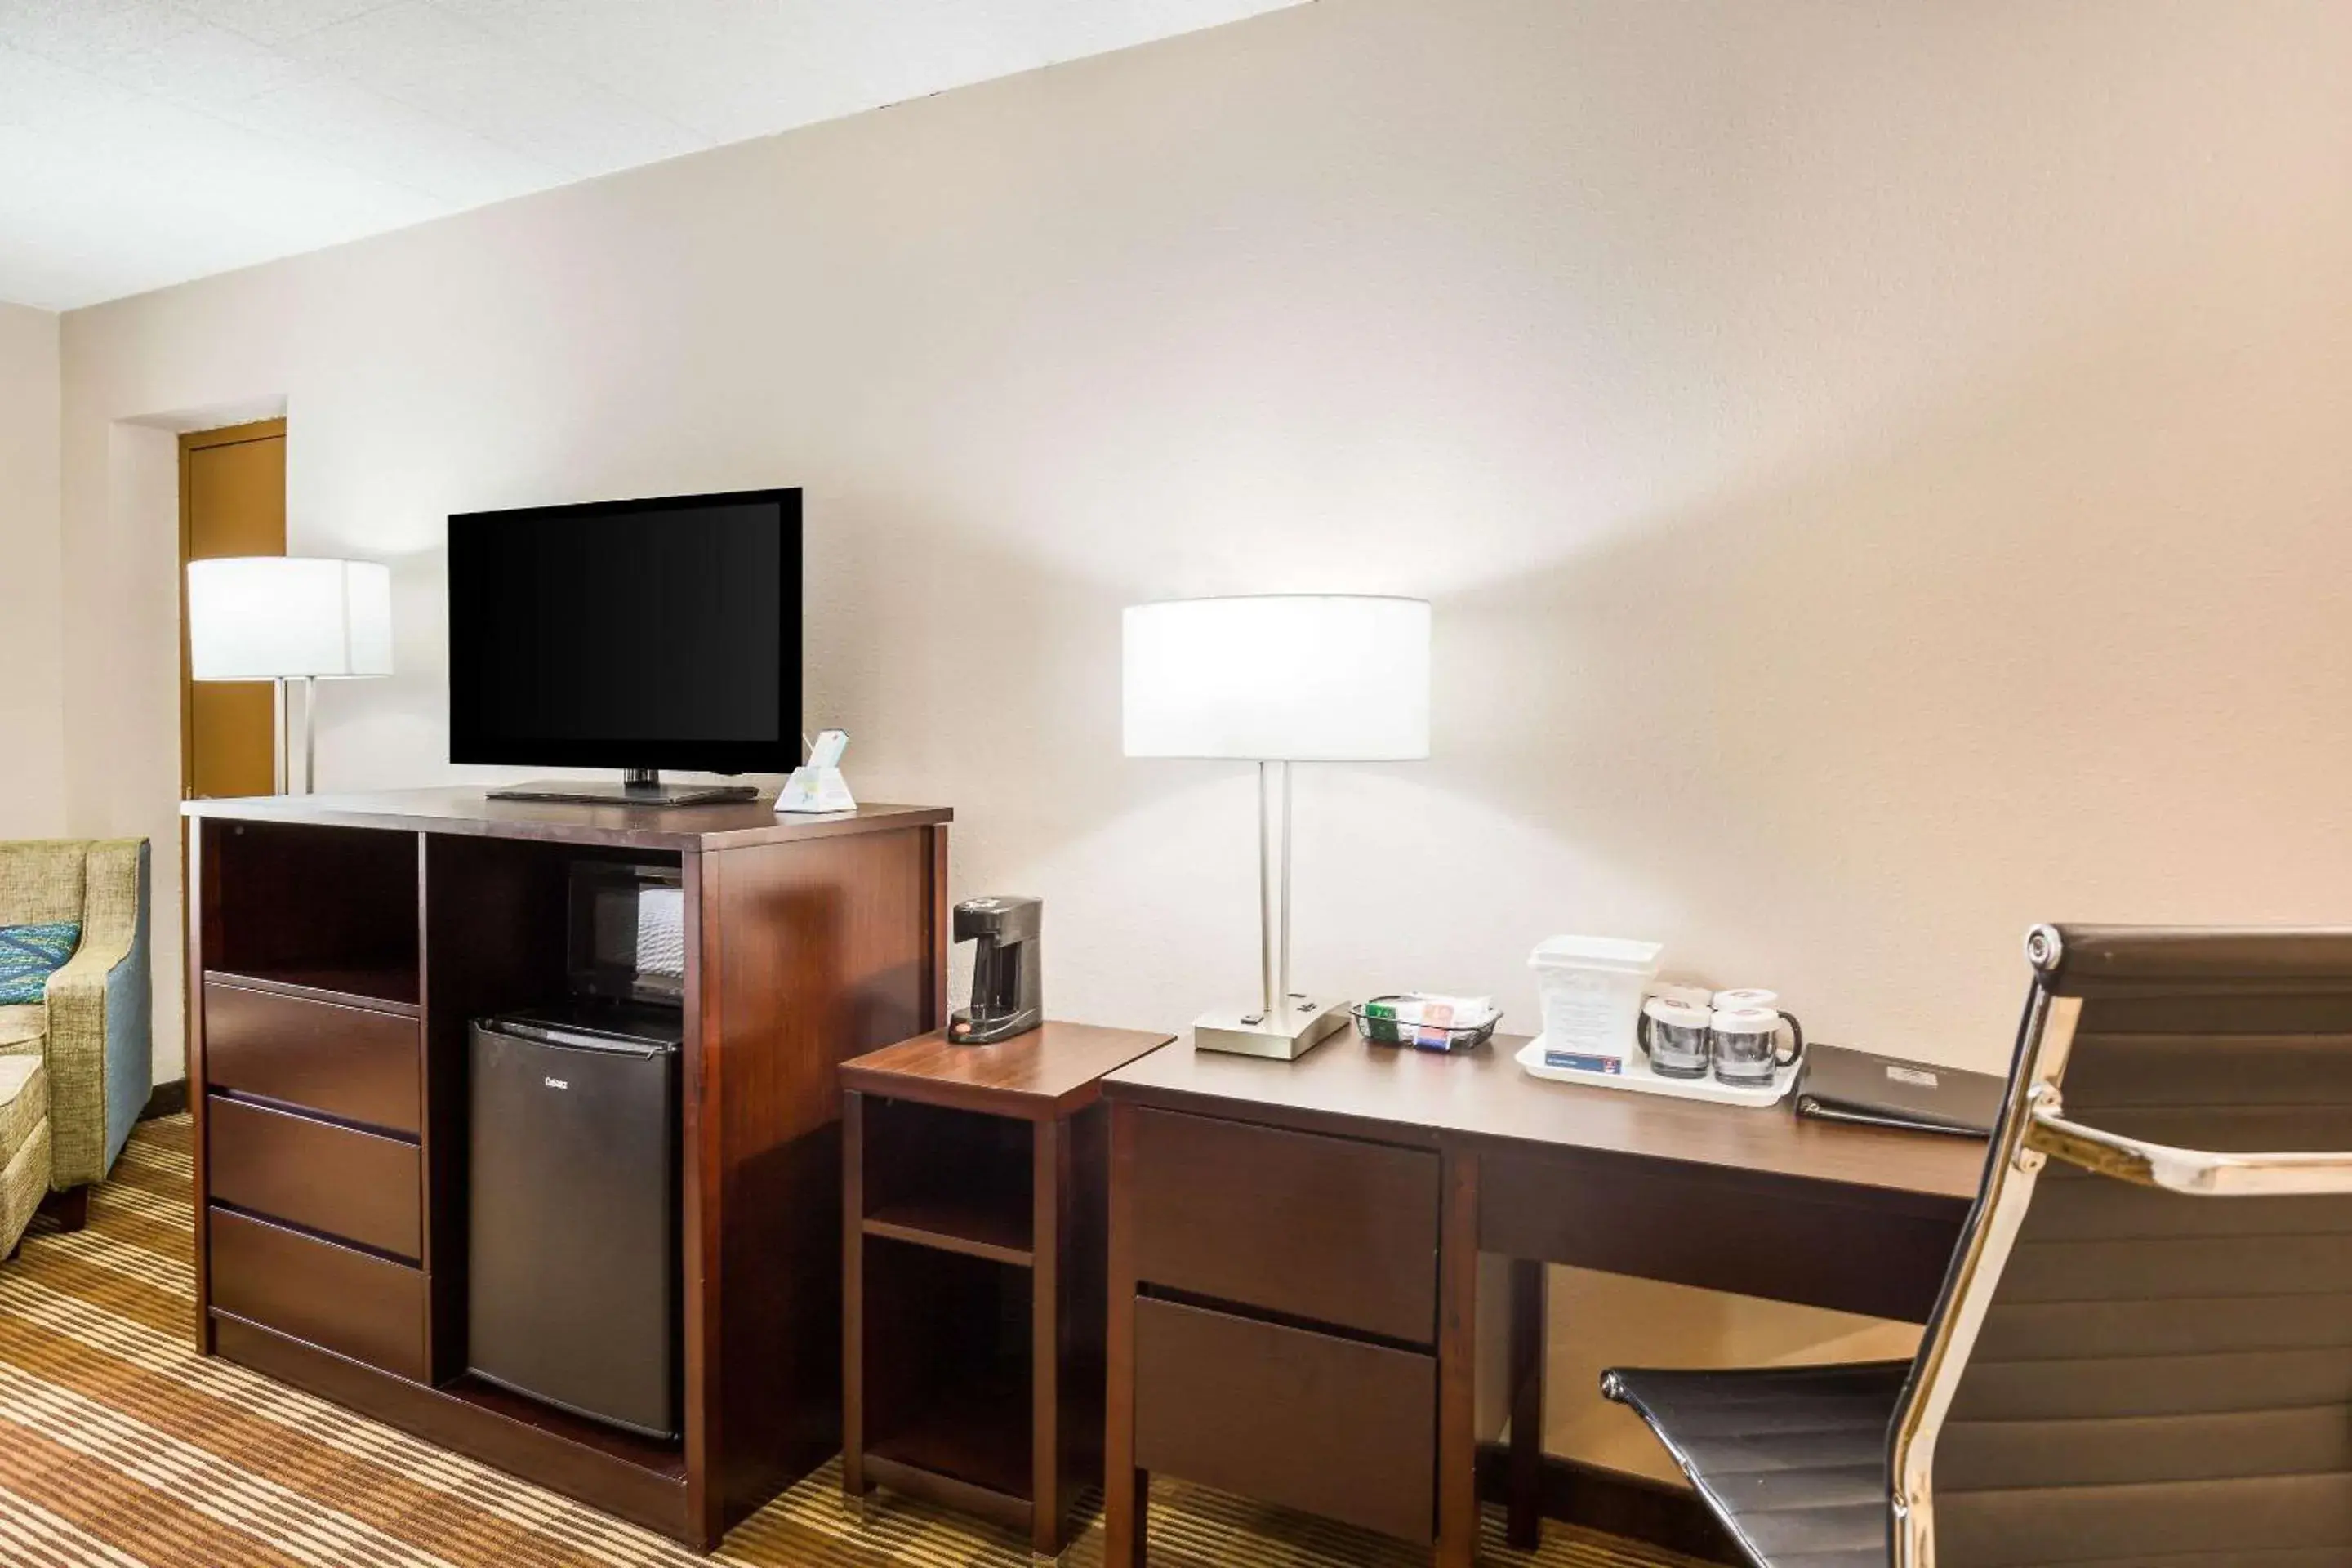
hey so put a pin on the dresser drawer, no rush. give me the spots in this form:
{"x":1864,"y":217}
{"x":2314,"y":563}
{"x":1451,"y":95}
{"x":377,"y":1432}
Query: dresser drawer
{"x":1323,"y":1228}
{"x":359,"y":1186}
{"x":349,"y":1062}
{"x":1334,"y":1426}
{"x":337,"y":1298}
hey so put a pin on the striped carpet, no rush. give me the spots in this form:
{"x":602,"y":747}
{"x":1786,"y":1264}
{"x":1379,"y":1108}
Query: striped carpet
{"x":119,"y":1446}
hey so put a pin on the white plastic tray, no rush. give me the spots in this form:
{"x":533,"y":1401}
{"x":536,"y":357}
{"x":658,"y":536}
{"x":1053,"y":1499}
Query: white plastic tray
{"x":1638,"y":1079}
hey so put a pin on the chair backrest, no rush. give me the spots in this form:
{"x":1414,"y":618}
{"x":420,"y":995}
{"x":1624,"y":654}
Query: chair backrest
{"x":2121,"y":1372}
{"x":41,"y":879}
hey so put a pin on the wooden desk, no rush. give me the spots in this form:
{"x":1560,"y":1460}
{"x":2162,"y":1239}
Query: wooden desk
{"x":1318,"y":1241}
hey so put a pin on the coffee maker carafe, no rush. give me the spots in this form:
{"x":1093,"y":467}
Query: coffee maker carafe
{"x":1007,"y":984}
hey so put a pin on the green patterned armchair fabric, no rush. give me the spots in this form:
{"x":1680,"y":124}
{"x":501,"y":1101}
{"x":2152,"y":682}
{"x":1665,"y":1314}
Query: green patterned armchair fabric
{"x":94,"y":1028}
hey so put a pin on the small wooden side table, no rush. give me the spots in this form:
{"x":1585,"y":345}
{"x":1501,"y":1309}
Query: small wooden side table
{"x":973,"y":1270}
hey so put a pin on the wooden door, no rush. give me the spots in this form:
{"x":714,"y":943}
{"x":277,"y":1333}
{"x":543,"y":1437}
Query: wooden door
{"x":232,"y":502}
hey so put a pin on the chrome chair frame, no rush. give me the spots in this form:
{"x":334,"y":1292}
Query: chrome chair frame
{"x":2033,"y":1131}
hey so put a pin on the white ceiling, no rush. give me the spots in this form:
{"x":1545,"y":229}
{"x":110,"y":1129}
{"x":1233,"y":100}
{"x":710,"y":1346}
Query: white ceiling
{"x":143,"y":142}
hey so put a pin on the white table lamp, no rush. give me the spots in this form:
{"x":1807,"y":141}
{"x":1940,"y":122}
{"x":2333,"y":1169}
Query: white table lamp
{"x":286,"y":618}
{"x":1276,"y":678}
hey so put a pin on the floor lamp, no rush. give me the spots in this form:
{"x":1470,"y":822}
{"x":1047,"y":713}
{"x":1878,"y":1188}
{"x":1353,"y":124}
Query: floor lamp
{"x":1276,"y":678}
{"x":286,"y":618}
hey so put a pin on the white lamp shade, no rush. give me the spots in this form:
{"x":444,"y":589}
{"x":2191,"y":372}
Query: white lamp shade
{"x":1279,"y":678}
{"x":267,"y":617}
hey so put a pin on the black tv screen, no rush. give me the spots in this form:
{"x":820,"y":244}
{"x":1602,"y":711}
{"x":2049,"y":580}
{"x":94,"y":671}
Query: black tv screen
{"x":641,"y":634}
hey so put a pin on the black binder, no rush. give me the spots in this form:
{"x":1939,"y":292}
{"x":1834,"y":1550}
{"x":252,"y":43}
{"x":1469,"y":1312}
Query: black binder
{"x":1839,"y":1084}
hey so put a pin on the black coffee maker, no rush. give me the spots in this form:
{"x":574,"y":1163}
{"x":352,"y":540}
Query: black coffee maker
{"x":1007,"y":984}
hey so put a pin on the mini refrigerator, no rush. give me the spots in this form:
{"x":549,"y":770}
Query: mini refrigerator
{"x":572,"y":1268}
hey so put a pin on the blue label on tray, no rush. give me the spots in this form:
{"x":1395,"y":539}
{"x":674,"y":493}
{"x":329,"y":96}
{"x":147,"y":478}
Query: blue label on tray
{"x":1579,"y":1062}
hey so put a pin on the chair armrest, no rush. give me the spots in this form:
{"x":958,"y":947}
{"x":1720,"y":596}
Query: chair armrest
{"x":2193,"y":1172}
{"x":79,"y":1025}
{"x":81,"y":981}
{"x":100,"y":1052}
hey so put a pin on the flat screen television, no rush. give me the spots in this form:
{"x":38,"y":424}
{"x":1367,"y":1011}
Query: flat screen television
{"x":638,"y":635}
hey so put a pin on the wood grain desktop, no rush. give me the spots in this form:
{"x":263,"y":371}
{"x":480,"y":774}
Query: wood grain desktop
{"x":1052,"y":1070}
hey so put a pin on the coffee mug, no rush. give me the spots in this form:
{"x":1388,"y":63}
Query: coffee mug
{"x":1757,"y":996}
{"x":1674,"y":1036}
{"x":1744,"y":1043}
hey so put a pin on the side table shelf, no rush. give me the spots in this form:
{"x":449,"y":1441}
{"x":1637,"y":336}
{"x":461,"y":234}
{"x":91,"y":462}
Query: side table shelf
{"x":973,"y":1271}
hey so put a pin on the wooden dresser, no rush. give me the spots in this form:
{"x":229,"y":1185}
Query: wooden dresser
{"x":341,"y":945}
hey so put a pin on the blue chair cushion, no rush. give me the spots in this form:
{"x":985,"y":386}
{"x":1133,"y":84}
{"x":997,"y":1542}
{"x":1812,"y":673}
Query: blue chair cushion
{"x":29,"y":954}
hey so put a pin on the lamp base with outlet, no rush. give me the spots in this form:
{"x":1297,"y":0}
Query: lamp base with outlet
{"x":1303,"y":1023}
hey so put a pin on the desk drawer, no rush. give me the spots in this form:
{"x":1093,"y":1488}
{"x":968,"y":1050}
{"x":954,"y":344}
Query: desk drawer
{"x":1881,"y":1255}
{"x":1333,"y":1427}
{"x":344,"y":1061}
{"x":359,"y":1186}
{"x":337,"y":1298}
{"x":1322,"y":1228}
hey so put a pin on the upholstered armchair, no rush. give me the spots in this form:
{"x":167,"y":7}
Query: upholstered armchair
{"x":92,"y":1025}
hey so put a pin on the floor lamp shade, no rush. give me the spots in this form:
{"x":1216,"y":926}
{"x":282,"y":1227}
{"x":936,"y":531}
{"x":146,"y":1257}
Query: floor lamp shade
{"x":271,"y":618}
{"x":289,"y":618}
{"x":1307,"y":678}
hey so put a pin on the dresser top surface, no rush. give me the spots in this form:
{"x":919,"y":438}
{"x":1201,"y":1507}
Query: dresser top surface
{"x":1374,"y":1091}
{"x":469,"y":812}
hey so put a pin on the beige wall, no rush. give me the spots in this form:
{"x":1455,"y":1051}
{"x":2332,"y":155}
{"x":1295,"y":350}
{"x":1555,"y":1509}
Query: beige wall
{"x":32,"y":691}
{"x":1883,"y":472}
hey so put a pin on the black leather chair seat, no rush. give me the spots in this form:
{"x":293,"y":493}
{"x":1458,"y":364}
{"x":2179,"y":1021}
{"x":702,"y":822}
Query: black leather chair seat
{"x":1791,"y":1460}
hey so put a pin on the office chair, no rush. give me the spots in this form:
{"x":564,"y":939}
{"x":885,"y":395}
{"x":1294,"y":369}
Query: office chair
{"x":2143,"y":1350}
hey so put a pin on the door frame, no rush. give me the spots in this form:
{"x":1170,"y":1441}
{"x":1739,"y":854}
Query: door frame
{"x":198,"y":441}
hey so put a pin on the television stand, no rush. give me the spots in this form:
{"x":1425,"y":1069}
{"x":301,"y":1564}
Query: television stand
{"x":341,"y":947}
{"x":639,"y":786}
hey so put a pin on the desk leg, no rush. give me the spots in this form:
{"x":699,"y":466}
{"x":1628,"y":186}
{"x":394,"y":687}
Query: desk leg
{"x":1127,"y":1490}
{"x":1457,"y":1358}
{"x":852,"y":1295}
{"x":1526,"y":1363}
